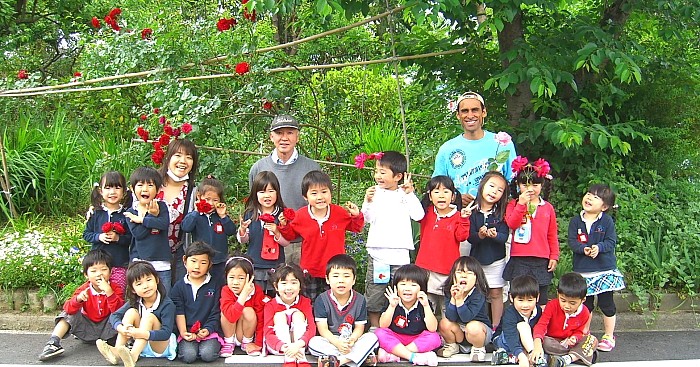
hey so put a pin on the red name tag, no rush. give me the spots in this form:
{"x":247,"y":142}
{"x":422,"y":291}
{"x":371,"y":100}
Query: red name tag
{"x":218,"y":228}
{"x":582,"y":238}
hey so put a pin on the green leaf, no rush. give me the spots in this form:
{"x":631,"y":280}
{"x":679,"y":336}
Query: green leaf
{"x":603,"y":141}
{"x":502,"y":156}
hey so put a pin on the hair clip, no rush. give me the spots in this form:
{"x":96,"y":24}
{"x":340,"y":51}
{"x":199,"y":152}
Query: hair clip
{"x":237,"y":258}
{"x":210,"y":176}
{"x":95,"y":184}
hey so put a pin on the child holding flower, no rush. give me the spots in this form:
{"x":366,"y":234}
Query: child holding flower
{"x":259,"y":228}
{"x":535,"y":246}
{"x":210,"y":223}
{"x":106,"y":228}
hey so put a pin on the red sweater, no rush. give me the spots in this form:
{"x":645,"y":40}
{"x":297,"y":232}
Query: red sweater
{"x":553,"y":323}
{"x":544,"y":242}
{"x":232,"y":309}
{"x":439,"y":240}
{"x":98,"y":306}
{"x":320,"y":244}
{"x":276,"y":305}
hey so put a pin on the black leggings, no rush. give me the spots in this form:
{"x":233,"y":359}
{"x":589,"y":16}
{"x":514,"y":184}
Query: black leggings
{"x":605,"y":303}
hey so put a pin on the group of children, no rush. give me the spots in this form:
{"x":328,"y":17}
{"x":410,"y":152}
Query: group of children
{"x":263,"y":305}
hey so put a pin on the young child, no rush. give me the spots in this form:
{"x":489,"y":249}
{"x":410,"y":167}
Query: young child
{"x":513,"y":337}
{"x":210,"y":224}
{"x":441,"y":230}
{"x":287,"y":318}
{"x":407,"y":328}
{"x":592,"y":238}
{"x":389,"y":208}
{"x":148,"y":222}
{"x":488,"y":233}
{"x":465,"y":311}
{"x":106,"y":226}
{"x":265,"y":242}
{"x":534,"y":249}
{"x":196,"y":299}
{"x":562,"y":331}
{"x":322,"y":226}
{"x":86,"y":313}
{"x":242,"y":305}
{"x":341,"y":316}
{"x":147,"y":318}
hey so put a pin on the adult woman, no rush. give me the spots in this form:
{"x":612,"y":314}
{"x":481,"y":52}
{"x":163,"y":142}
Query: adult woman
{"x":178,"y":193}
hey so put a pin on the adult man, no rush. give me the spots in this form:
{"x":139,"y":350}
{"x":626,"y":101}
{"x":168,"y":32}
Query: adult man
{"x":289,"y":166}
{"x":464,"y":158}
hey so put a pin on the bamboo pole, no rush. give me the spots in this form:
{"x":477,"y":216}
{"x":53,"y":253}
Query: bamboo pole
{"x":230,"y":75}
{"x":14,"y":92}
{"x":6,"y":188}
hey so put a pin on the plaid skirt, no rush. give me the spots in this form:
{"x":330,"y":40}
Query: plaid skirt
{"x":528,"y":265}
{"x":604,"y":281}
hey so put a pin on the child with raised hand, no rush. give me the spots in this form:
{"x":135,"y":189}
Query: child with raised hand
{"x":592,"y":238}
{"x":148,"y":223}
{"x":341,"y":316}
{"x":258,"y":228}
{"x":196,"y":299}
{"x":106,"y":226}
{"x":534,"y":249}
{"x":488,"y":233}
{"x":465,"y":310}
{"x":407,"y":328}
{"x":86,"y":313}
{"x":322,"y":226}
{"x":288,"y":317}
{"x":242,"y":305}
{"x":147,"y":318}
{"x":562,"y":331}
{"x":513,"y":337}
{"x":389,"y":207}
{"x":443,"y":227}
{"x":210,"y":223}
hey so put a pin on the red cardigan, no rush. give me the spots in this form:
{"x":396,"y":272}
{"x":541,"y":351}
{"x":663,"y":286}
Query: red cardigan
{"x":276,"y":305}
{"x":320,"y":244}
{"x":98,"y":306}
{"x":439,"y":240}
{"x":552,"y":323}
{"x":232,"y":309}
{"x":544,"y":242}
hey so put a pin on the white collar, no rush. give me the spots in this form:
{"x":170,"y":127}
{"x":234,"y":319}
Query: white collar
{"x":451,"y":213}
{"x":340,"y":307}
{"x":155,"y":304}
{"x":280,"y":301}
{"x":408,"y":310}
{"x":276,"y":158}
{"x":567,"y":316}
{"x":592,"y":221}
{"x":319,"y":220}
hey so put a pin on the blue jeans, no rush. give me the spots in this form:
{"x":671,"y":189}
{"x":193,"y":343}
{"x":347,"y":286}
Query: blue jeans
{"x":206,"y":350}
{"x":165,"y":278}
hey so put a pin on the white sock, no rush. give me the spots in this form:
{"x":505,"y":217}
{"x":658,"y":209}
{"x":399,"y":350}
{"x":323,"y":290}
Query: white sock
{"x":229,"y":339}
{"x":246,"y":340}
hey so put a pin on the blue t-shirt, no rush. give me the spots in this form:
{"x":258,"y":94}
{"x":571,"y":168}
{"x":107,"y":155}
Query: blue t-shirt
{"x":466,"y":161}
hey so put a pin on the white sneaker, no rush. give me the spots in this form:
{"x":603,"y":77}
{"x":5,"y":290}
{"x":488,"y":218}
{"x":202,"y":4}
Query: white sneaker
{"x":478,"y":354}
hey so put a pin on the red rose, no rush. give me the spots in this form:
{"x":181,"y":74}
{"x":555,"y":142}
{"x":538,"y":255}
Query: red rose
{"x":96,"y":22}
{"x":168,"y":130}
{"x":542,"y":167}
{"x":250,"y":16}
{"x":203,"y":206}
{"x":244,"y":2}
{"x":77,"y":74}
{"x":186,"y":128}
{"x":156,"y":145}
{"x":156,"y":111}
{"x":518,"y":164}
{"x":108,"y":19}
{"x":289,"y":214}
{"x":164,"y":139}
{"x":22,"y":74}
{"x":142,"y":133}
{"x":162,"y":120}
{"x":107,"y":227}
{"x":225,"y":24}
{"x":267,"y":105}
{"x":176,"y":132}
{"x":146,"y":33}
{"x":267,"y":218}
{"x":119,"y":228}
{"x":114,"y":13}
{"x":195,"y":328}
{"x":242,"y":68}
{"x":157,"y":157}
{"x":143,"y":117}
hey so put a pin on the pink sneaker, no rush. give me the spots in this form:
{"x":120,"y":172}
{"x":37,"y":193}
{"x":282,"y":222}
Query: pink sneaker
{"x":425,"y":359}
{"x":606,"y":343}
{"x":386,"y":357}
{"x":227,"y":350}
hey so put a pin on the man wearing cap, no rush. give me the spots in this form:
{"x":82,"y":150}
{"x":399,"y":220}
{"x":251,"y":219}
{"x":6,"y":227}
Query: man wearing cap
{"x":464,"y":158}
{"x":289,"y":166}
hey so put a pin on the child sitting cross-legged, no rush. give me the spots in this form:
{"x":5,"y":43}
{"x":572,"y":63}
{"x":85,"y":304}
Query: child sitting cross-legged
{"x":513,"y":337}
{"x":562,"y":331}
{"x":341,"y":316}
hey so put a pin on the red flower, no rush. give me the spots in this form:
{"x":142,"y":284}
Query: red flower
{"x":203,"y":206}
{"x":242,"y":68}
{"x":244,"y":2}
{"x":157,"y":157}
{"x":360,"y":160}
{"x":541,"y":167}
{"x":142,"y":133}
{"x":164,"y":140}
{"x":195,"y":328}
{"x":518,"y":164}
{"x":77,"y":74}
{"x":289,"y":214}
{"x":267,"y":105}
{"x":162,"y":120}
{"x":156,"y":145}
{"x":176,"y":132}
{"x":143,"y":117}
{"x":114,"y":13}
{"x":186,"y":128}
{"x":119,"y":228}
{"x":96,"y":22}
{"x":146,"y":33}
{"x":168,"y":130}
{"x":225,"y":24}
{"x":22,"y":74}
{"x":267,"y":218}
{"x":250,"y":16}
{"x":156,"y":111}
{"x":107,"y":227}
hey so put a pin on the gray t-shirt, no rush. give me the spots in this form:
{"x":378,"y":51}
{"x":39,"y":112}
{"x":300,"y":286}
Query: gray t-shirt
{"x":289,"y":176}
{"x":341,"y":322}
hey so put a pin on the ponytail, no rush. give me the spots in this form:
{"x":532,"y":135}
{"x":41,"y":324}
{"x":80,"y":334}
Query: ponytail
{"x":96,"y":196}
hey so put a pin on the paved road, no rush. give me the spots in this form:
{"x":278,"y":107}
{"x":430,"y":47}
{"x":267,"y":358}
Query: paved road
{"x":21,"y":348}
